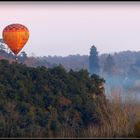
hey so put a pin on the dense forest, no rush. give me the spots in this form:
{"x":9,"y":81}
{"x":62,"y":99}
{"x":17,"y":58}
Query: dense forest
{"x":51,"y":102}
{"x":120,"y":70}
{"x":61,"y":97}
{"x":46,"y":99}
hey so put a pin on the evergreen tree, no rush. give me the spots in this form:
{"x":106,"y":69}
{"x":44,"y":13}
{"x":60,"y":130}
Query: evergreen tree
{"x":93,"y":61}
{"x":109,"y":65}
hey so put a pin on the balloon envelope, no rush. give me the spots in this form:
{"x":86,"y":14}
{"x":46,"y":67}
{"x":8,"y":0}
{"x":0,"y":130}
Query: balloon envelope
{"x":15,"y":36}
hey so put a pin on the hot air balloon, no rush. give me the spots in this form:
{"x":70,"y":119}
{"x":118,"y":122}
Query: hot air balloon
{"x":15,"y":36}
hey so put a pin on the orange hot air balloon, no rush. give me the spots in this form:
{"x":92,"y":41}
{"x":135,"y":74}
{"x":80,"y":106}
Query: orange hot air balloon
{"x":15,"y":36}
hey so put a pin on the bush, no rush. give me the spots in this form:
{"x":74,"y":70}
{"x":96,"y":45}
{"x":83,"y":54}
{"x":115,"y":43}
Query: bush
{"x":137,"y":130}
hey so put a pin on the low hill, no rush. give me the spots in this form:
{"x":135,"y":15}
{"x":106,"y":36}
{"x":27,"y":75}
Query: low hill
{"x":47,"y":99}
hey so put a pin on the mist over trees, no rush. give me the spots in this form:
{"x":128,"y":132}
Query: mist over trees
{"x":118,"y":69}
{"x":57,"y":96}
{"x":53,"y":102}
{"x":109,"y":65}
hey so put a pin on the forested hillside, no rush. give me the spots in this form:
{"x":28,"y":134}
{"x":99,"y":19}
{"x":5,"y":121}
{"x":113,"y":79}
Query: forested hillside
{"x":51,"y":102}
{"x":48,"y":99}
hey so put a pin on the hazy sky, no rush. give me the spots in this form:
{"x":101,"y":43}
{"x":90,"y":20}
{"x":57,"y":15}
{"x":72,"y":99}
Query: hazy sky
{"x":63,"y":28}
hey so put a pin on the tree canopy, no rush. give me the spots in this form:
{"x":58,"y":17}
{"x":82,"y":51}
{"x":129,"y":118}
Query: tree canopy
{"x":33,"y":98}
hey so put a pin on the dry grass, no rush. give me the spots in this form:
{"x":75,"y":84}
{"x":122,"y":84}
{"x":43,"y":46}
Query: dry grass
{"x":120,"y":119}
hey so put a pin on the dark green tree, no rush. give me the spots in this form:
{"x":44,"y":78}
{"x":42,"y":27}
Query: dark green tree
{"x":94,"y":67}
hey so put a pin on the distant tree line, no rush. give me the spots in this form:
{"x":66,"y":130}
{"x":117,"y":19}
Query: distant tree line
{"x":122,"y":67}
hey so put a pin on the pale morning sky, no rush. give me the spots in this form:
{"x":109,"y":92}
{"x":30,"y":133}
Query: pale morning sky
{"x":63,"y":28}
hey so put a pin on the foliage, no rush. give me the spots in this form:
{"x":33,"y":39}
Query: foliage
{"x":136,"y":132}
{"x":109,"y":65}
{"x":46,"y":98}
{"x":94,"y":61}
